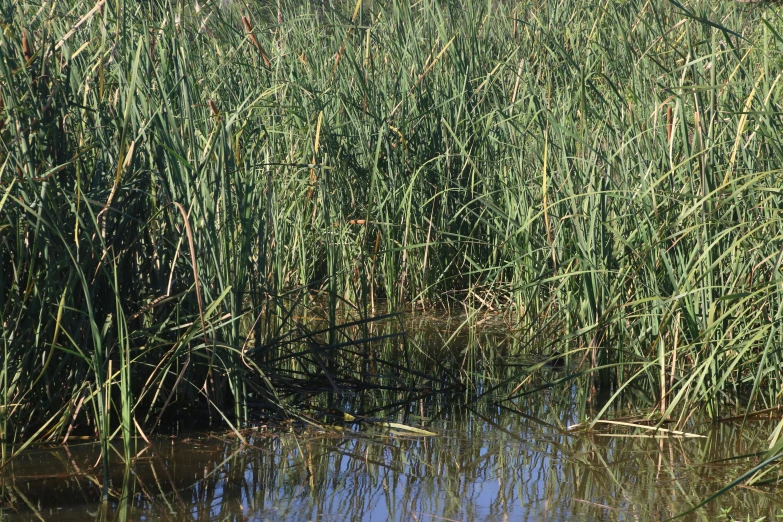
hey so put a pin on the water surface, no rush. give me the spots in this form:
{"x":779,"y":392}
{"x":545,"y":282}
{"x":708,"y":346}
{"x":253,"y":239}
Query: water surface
{"x":492,"y":459}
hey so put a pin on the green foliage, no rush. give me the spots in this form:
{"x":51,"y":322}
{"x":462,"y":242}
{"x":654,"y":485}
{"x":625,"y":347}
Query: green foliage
{"x":170,"y":171}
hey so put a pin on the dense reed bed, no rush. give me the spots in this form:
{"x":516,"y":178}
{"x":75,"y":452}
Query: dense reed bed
{"x":179,"y":179}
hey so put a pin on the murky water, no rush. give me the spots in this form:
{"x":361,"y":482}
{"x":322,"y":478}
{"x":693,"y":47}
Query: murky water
{"x":491,"y":459}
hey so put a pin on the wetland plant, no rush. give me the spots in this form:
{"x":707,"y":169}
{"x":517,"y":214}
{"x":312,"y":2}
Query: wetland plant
{"x":178,"y":180}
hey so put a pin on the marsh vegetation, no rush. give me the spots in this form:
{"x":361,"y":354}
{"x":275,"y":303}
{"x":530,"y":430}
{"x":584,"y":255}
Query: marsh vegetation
{"x":206,"y":205}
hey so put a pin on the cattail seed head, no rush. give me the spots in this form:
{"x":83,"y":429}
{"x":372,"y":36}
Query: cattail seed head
{"x":27,"y":48}
{"x":254,"y":40}
{"x":246,"y":23}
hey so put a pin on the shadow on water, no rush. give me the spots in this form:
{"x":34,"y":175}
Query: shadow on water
{"x":491,"y":458}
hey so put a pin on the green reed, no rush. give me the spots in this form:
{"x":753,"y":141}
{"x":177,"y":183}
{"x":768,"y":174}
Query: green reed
{"x":178,"y":179}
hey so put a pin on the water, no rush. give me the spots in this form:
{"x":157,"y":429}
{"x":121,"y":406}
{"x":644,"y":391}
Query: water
{"x":491,"y":460}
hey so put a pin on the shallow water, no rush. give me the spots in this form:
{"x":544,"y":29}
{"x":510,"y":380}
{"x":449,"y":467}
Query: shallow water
{"x":491,"y":459}
{"x":502,"y":467}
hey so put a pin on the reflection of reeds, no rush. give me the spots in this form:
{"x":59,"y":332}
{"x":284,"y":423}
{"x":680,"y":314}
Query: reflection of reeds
{"x":610,"y":176}
{"x":510,"y":466}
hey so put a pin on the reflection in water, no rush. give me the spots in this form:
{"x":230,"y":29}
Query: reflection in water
{"x":493,"y":459}
{"x":501,"y":467}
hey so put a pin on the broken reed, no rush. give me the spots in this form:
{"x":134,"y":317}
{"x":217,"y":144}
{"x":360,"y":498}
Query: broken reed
{"x":170,"y":171}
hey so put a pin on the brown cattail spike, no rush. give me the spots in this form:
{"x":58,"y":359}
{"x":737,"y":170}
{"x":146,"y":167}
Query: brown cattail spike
{"x":669,"y":124}
{"x":254,"y":40}
{"x":27,"y":48}
{"x":214,"y":109}
{"x":153,"y":42}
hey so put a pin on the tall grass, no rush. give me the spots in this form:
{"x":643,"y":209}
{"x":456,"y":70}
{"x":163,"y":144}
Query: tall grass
{"x":171,"y":170}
